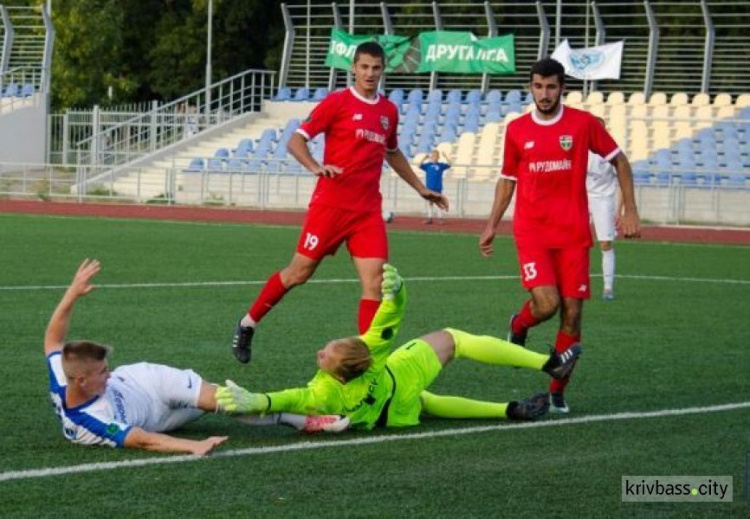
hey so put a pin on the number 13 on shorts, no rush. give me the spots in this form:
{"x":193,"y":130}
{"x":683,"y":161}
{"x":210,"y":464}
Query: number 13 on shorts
{"x":529,"y":271}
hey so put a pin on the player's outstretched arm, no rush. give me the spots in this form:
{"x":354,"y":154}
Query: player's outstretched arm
{"x":81,"y":285}
{"x":503,"y":195}
{"x":400,"y":165}
{"x":139,"y":439}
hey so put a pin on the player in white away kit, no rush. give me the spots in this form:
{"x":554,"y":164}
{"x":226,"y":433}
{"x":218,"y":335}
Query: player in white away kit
{"x":133,"y":405}
{"x":601,"y":186}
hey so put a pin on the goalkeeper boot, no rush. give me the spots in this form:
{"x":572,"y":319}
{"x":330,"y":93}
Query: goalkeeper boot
{"x":242,"y":342}
{"x":325,"y":423}
{"x":561,"y":364}
{"x":528,"y":409}
{"x":557,"y":403}
{"x":516,"y":338}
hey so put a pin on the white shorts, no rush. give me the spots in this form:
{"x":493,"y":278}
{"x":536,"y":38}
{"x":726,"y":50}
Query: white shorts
{"x":169,"y":396}
{"x":602,"y":210}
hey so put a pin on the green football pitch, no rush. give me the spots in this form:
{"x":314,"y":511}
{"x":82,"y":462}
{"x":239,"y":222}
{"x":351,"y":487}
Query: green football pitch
{"x":651,"y":395}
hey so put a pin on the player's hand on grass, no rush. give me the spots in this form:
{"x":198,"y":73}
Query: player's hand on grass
{"x":81,"y":284}
{"x":204,"y":447}
{"x":328,"y":171}
{"x":235,"y":399}
{"x":485,"y":241}
{"x":392,"y":282}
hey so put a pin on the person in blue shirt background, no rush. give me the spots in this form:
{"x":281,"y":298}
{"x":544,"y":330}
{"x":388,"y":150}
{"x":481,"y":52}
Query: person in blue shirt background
{"x":434,"y":169}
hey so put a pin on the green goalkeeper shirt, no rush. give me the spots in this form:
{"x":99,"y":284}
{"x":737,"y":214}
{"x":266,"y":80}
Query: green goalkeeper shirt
{"x":363,"y":398}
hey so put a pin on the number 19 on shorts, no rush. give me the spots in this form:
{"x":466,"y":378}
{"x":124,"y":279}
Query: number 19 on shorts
{"x":311,"y":241}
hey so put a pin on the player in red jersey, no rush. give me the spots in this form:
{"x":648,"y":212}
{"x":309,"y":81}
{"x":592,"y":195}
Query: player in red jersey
{"x":545,"y":158}
{"x":360,"y":132}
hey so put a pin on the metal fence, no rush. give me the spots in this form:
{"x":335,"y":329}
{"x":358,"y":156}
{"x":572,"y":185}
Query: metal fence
{"x":691,"y":46}
{"x":114,"y":138}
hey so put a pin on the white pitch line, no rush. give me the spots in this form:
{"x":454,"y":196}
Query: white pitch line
{"x":199,"y":284}
{"x":301,"y":446}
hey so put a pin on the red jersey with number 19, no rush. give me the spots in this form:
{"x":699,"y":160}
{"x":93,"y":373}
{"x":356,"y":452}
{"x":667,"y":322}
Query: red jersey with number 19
{"x":358,"y":132}
{"x":548,"y":161}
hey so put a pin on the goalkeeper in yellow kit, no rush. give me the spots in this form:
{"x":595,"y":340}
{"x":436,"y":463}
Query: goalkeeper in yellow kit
{"x":361,"y":379}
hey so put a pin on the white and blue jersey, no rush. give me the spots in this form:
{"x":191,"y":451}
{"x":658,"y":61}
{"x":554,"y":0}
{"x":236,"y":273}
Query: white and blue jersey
{"x":434,"y":175}
{"x":153,"y":397}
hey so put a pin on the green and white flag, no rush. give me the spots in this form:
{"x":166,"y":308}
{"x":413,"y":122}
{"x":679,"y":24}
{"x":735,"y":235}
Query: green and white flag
{"x":463,"y":53}
{"x":397,"y":50}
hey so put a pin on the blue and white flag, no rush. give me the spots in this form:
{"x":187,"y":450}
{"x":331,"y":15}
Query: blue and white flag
{"x":600,"y":62}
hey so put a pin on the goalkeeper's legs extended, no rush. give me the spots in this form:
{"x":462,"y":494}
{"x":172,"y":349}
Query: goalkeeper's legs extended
{"x":457,"y":407}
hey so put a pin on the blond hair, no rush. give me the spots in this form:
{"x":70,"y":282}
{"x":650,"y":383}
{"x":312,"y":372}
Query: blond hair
{"x":353,"y":358}
{"x":77,"y":353}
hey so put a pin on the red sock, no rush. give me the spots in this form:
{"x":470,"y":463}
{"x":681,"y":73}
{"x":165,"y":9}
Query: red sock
{"x":271,"y":294}
{"x":525,"y":320}
{"x":563,"y":342}
{"x":367,"y":310}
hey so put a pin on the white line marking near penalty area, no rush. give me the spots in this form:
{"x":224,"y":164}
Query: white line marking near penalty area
{"x":512,"y":277}
{"x":301,"y":446}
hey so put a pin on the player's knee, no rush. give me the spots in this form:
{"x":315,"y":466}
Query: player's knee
{"x":546,"y":307}
{"x":296,"y":276}
{"x":605,"y":245}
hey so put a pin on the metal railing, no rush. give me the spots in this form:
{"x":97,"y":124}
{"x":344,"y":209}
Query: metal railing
{"x":691,"y":46}
{"x":264,"y":187}
{"x":112,"y":144}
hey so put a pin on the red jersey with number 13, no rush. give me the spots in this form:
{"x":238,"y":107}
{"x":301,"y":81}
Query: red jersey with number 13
{"x":548,"y":161}
{"x":358,"y":132}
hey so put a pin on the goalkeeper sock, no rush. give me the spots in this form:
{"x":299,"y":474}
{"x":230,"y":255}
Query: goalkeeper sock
{"x":458,"y":407}
{"x":491,"y":350}
{"x":563,"y":342}
{"x":269,"y":419}
{"x":525,"y":319}
{"x":367,"y":310}
{"x":272,"y":293}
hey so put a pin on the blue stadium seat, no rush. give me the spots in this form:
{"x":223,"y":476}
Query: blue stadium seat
{"x":528,"y":99}
{"x":641,"y":173}
{"x":302,"y":94}
{"x":195,"y":165}
{"x":435,"y":96}
{"x":513,"y":96}
{"x":454,"y":96}
{"x":493,"y":116}
{"x":244,"y":148}
{"x":737,"y":180}
{"x":215,"y":165}
{"x":27,"y":90}
{"x":222,"y":153}
{"x":320,"y":94}
{"x":471,"y":123}
{"x":283,"y":94}
{"x":474,"y":97}
{"x":237,"y":165}
{"x":415,"y":96}
{"x":494,"y":97}
{"x":11,"y":90}
{"x":396,"y":96}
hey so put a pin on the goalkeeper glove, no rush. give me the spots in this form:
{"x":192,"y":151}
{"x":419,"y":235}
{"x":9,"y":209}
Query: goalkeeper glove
{"x":392,"y":282}
{"x":235,"y":399}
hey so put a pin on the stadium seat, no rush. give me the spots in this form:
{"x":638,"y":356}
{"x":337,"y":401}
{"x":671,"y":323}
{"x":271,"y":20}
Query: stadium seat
{"x":236,"y":165}
{"x":244,"y":148}
{"x":320,"y":94}
{"x":474,"y":96}
{"x":574,"y":97}
{"x":222,"y":153}
{"x":436,"y":96}
{"x":302,"y":94}
{"x":679,"y":99}
{"x":657,"y":99}
{"x":196,"y":165}
{"x":27,"y":90}
{"x":737,"y":180}
{"x":722,"y":99}
{"x":471,"y":123}
{"x":415,"y":96}
{"x":743,"y":101}
{"x":215,"y":165}
{"x":637,"y":98}
{"x":454,"y":96}
{"x":513,"y":96}
{"x":616,"y":98}
{"x":283,"y":94}
{"x":11,"y":90}
{"x":700,"y":99}
{"x":594,"y":98}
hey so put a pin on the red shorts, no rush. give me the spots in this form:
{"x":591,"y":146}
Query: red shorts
{"x":326,"y":228}
{"x":566,"y":269}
